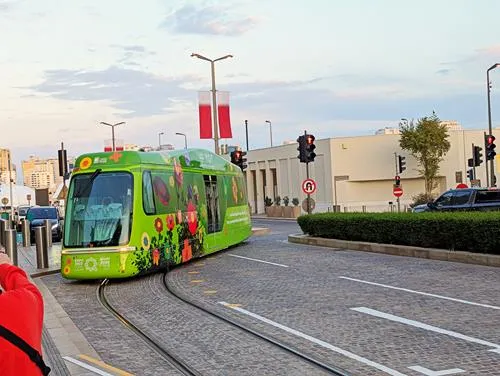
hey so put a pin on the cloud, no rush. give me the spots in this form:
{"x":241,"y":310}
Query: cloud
{"x":444,"y":71}
{"x":135,"y":92}
{"x":132,"y":53}
{"x":211,"y":20}
{"x":319,"y":100}
{"x":7,"y":5}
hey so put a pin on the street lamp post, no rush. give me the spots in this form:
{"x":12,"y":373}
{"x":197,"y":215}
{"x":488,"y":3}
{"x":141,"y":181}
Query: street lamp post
{"x":159,"y":139}
{"x":185,"y":139}
{"x":246,"y":132}
{"x":214,"y":96}
{"x":113,"y":130}
{"x":270,"y":132}
{"x":492,"y":181}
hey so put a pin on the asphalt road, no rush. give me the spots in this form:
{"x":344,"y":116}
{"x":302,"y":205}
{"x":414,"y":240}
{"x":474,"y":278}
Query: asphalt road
{"x":370,"y":314}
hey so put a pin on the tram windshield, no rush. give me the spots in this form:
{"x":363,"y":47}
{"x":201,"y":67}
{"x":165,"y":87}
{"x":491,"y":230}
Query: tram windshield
{"x":99,"y":210}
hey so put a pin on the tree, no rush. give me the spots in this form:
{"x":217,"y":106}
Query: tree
{"x":427,"y":141}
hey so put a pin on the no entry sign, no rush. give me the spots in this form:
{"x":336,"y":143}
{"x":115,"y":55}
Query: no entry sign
{"x":397,"y":191}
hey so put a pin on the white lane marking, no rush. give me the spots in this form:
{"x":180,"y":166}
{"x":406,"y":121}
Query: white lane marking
{"x":422,"y":293}
{"x":428,"y":372}
{"x":87,"y":366}
{"x":417,"y":324}
{"x":336,"y":349}
{"x":265,"y":262}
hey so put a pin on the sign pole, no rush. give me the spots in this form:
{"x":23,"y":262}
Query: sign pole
{"x":396,"y":163}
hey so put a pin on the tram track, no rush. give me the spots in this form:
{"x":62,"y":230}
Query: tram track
{"x":182,"y":366}
{"x":291,"y":350}
{"x":171,"y":359}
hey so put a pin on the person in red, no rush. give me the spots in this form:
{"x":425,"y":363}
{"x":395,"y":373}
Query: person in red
{"x":21,"y":323}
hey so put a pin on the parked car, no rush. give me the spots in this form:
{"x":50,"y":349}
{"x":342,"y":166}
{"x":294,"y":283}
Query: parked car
{"x":464,"y":199}
{"x":37,"y":216}
{"x":21,"y":214}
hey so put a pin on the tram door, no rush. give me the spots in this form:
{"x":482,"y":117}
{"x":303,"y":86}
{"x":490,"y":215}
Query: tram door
{"x":213,"y":210}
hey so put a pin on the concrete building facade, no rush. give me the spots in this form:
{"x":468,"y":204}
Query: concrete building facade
{"x":357,"y":173}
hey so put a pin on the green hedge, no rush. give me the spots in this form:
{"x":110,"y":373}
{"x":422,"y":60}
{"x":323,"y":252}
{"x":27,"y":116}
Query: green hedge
{"x":461,"y":231}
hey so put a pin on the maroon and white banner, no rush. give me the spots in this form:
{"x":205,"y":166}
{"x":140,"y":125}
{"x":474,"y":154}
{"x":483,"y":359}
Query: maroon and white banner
{"x":205,"y":110}
{"x":223,"y":114}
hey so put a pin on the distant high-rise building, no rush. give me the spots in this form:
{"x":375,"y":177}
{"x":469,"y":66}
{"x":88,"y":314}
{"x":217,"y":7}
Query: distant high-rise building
{"x":4,"y":159}
{"x":4,"y":167}
{"x":43,"y":173}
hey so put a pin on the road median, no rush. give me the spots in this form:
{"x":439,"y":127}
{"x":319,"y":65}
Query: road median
{"x":400,"y":250}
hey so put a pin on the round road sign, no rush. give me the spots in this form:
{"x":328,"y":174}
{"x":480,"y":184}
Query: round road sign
{"x":5,"y":200}
{"x":309,"y":186}
{"x":397,"y":191}
{"x":312,"y":204}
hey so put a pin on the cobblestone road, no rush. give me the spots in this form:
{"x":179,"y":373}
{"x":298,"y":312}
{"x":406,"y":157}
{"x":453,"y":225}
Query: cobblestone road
{"x":368,"y":313}
{"x":350,"y":300}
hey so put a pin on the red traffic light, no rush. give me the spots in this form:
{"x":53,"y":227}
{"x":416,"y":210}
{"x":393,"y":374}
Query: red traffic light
{"x":310,"y":139}
{"x":237,"y":154}
{"x":491,"y":139}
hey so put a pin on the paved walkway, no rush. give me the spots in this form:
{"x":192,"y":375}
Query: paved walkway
{"x":60,"y":337}
{"x":62,"y":342}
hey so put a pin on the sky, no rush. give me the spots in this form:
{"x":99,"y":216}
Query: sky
{"x":331,"y":67}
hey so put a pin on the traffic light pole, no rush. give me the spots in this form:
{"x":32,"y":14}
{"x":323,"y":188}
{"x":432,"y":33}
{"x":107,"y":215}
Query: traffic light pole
{"x":486,"y":160}
{"x":396,"y":163}
{"x":307,"y":177}
{"x":474,"y":162}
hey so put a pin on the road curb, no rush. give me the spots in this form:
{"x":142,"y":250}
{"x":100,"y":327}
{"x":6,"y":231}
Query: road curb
{"x":400,"y":250}
{"x":42,"y":273}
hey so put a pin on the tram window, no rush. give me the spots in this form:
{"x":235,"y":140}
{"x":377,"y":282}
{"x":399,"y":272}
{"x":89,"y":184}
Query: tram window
{"x":165,"y":198}
{"x":148,"y":202}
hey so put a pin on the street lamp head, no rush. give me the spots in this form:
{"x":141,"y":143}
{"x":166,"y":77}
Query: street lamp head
{"x":493,"y":66}
{"x":161,"y":133}
{"x":180,"y":134}
{"x":267,"y":121}
{"x":112,"y":125}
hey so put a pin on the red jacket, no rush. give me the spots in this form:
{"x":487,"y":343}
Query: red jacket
{"x":21,"y":311}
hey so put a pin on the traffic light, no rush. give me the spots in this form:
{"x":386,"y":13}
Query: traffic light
{"x":490,"y":147}
{"x":401,"y":164}
{"x":63,"y":162}
{"x":243,"y":161}
{"x":397,"y":181}
{"x":302,"y":149}
{"x":477,"y":156}
{"x":237,"y":158}
{"x":470,"y":174}
{"x":310,"y":154}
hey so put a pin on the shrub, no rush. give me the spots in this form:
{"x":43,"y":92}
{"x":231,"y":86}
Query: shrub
{"x":295,"y":201}
{"x":268,"y":201}
{"x":421,"y":198}
{"x":277,"y":201}
{"x":462,"y":231}
{"x":286,"y":200}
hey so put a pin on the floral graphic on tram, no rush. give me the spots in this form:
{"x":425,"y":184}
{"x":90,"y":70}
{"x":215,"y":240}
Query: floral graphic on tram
{"x":178,"y":235}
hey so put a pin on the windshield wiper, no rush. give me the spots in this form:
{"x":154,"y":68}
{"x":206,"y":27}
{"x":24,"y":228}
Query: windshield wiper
{"x":88,"y":184}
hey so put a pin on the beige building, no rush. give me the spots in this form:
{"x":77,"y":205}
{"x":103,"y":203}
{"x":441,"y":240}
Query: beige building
{"x":4,"y":167}
{"x":357,"y":173}
{"x":41,"y":173}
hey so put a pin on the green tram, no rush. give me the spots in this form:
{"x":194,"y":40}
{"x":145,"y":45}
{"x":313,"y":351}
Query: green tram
{"x":132,"y":212}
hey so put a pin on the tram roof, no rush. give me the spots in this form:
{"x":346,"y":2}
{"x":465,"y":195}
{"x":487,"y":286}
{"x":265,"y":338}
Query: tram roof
{"x":188,"y":158}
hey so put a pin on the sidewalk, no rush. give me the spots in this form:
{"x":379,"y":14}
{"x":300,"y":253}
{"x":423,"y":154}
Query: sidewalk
{"x":60,"y":337}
